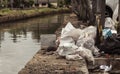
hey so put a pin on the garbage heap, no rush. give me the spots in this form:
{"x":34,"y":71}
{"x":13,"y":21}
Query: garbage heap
{"x":75,"y":43}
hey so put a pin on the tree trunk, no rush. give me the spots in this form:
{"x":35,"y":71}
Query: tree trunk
{"x":82,"y":9}
{"x":118,"y":29}
{"x":48,"y":2}
{"x":58,"y":3}
{"x":11,"y":3}
{"x":119,"y":12}
{"x":100,"y":19}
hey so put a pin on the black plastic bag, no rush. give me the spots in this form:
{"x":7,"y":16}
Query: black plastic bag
{"x":111,"y":45}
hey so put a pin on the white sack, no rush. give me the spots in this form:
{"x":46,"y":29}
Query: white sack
{"x":86,"y":53}
{"x":89,"y":44}
{"x":67,"y":49}
{"x":109,"y":23}
{"x":73,"y":57}
{"x":66,"y":40}
{"x":70,"y":31}
{"x":74,"y":34}
{"x":115,"y":13}
{"x":88,"y":32}
{"x":67,"y":28}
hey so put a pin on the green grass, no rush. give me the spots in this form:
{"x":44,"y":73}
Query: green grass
{"x":6,"y":11}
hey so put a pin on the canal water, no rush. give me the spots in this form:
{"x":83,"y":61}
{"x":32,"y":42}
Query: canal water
{"x":20,"y":40}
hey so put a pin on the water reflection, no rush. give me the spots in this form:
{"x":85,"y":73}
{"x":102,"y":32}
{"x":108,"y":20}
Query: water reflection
{"x":36,"y":26}
{"x":19,"y":41}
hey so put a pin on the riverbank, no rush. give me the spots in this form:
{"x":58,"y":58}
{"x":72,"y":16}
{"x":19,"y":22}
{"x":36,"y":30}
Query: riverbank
{"x":46,"y":61}
{"x":7,"y":15}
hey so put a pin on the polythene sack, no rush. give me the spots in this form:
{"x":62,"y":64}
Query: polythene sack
{"x":70,"y":31}
{"x":87,"y":54}
{"x":84,"y":37}
{"x":89,"y":32}
{"x":88,"y":43}
{"x":73,"y":57}
{"x":66,"y":40}
{"x":67,"y":28}
{"x":109,"y":23}
{"x":67,"y":49}
{"x":74,"y":34}
{"x":115,"y":13}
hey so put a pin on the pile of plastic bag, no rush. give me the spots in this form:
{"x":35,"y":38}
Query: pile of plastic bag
{"x":75,"y":44}
{"x":111,"y":42}
{"x":109,"y":28}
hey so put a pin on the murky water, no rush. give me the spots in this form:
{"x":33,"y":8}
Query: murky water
{"x":19,"y":41}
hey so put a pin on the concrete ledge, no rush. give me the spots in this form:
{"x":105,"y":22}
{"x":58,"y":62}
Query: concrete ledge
{"x":48,"y":40}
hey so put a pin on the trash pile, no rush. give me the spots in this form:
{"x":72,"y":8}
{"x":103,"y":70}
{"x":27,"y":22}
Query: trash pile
{"x":75,"y":44}
{"x":111,"y":42}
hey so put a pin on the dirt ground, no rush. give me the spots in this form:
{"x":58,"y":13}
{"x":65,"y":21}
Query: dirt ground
{"x":48,"y":63}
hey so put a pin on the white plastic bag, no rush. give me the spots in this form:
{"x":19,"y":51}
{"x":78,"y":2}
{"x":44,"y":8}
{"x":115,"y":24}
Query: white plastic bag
{"x":66,"y":40}
{"x":106,"y":68}
{"x":109,"y":23}
{"x":67,"y":49}
{"x":115,"y":13}
{"x":73,"y":57}
{"x":89,"y":32}
{"x":70,"y":31}
{"x":74,"y":34}
{"x":87,"y":54}
{"x":67,"y":28}
{"x":85,"y":33}
{"x":88,"y":43}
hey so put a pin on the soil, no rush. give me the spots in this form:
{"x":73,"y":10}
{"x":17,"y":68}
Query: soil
{"x":45,"y":62}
